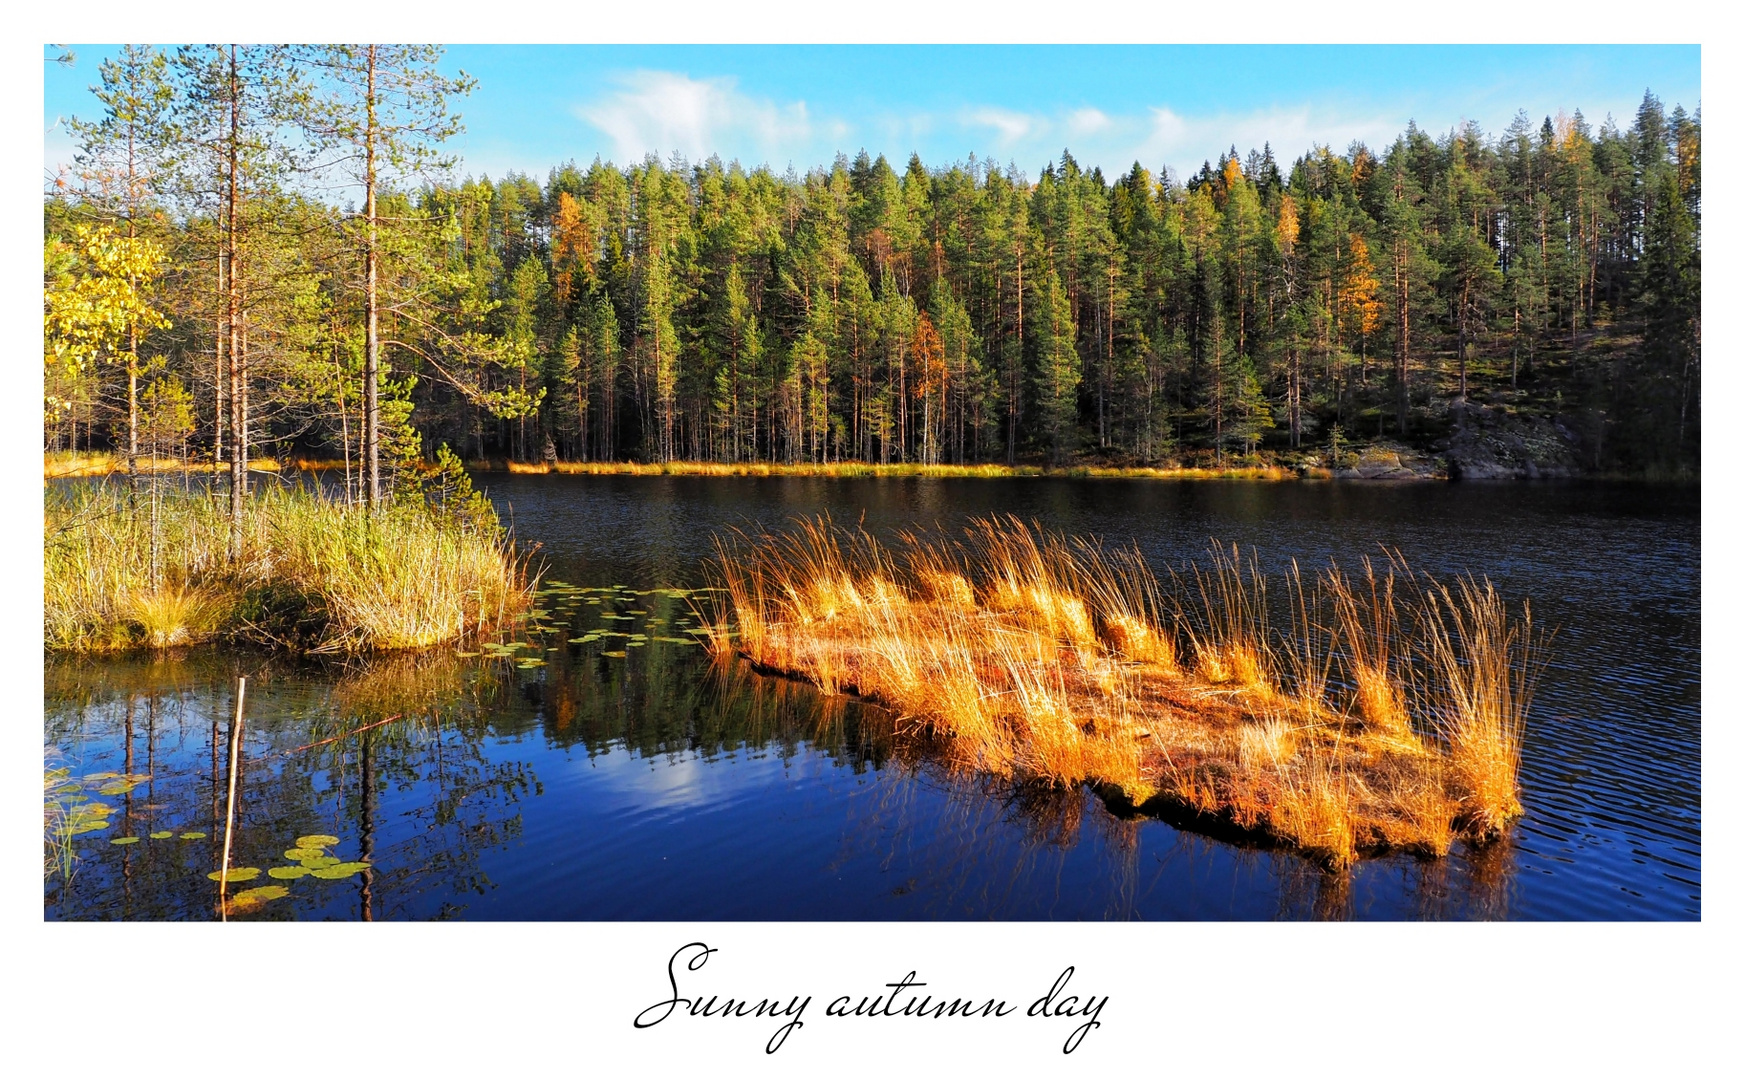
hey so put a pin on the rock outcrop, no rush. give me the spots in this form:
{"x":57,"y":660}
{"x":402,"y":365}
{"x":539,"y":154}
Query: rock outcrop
{"x":1491,"y":444}
{"x":1390,"y":461}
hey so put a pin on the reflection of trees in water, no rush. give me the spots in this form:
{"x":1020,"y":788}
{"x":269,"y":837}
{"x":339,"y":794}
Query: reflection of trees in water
{"x":676,"y":701}
{"x":424,"y":797}
{"x":286,"y":787}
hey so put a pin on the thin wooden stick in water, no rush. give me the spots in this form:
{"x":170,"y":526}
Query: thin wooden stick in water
{"x":353,"y":731}
{"x":230,"y":803}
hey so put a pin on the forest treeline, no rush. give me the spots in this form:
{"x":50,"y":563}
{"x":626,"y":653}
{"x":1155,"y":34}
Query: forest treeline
{"x":266,"y":243}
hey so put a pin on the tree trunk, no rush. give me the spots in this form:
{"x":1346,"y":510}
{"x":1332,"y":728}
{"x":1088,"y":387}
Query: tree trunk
{"x":233,"y":325}
{"x":1403,"y":335}
{"x":372,"y":340}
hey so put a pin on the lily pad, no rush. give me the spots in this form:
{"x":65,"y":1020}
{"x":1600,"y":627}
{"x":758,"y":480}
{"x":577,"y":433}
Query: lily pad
{"x":466,"y":654}
{"x":320,"y":862}
{"x":238,"y":873}
{"x":125,"y":840}
{"x":340,"y":870}
{"x":614,"y":652}
{"x":162,"y":834}
{"x":319,"y":840}
{"x":260,"y":894}
{"x":304,"y":854}
{"x":116,"y":787}
{"x":193,"y":836}
{"x":287,"y":873}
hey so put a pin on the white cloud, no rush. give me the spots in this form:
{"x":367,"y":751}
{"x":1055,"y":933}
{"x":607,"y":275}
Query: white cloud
{"x":1085,"y":122}
{"x":1184,"y":142}
{"x":662,"y":111}
{"x":1010,"y":127}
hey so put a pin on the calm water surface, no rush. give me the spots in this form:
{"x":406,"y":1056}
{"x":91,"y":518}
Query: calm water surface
{"x":656,"y":785}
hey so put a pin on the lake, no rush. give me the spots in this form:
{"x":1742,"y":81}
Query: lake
{"x":627,"y":776}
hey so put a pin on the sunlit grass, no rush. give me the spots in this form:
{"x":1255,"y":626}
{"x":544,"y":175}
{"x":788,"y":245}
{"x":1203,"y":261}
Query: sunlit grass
{"x":854,"y":469}
{"x":312,"y":573}
{"x":64,"y":464}
{"x":1383,"y":718}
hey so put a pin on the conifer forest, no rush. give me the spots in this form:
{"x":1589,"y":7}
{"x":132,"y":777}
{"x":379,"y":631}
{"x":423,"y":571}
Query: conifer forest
{"x":268,"y":251}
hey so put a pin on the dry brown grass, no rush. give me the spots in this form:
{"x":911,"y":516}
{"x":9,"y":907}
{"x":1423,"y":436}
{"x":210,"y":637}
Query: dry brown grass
{"x":868,"y":469}
{"x":1043,"y":659}
{"x":397,"y":579}
{"x":66,"y":464}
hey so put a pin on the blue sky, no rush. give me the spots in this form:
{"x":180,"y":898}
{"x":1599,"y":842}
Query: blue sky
{"x":537,"y":106}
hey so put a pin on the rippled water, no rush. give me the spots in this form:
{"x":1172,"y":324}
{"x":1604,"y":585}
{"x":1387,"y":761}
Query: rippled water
{"x":658,"y":786}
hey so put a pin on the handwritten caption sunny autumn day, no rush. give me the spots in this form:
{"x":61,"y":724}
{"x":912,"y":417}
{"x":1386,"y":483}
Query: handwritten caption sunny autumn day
{"x":908,"y":997}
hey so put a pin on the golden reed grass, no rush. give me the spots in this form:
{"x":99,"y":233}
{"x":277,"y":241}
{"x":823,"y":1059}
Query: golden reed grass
{"x":312,"y":572}
{"x":840,"y":469}
{"x":1389,"y":715}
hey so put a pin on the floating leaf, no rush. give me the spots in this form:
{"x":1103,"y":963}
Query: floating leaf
{"x":162,"y":834}
{"x":467,"y":654}
{"x":287,"y":873}
{"x":319,"y":840}
{"x":238,"y":873}
{"x":303,"y":855}
{"x":614,"y":652}
{"x":530,"y":663}
{"x":635,"y":644}
{"x":125,"y":840}
{"x":340,"y":870}
{"x":116,"y":787}
{"x":260,"y":894}
{"x":67,"y":789}
{"x":319,"y":862}
{"x":193,"y":836}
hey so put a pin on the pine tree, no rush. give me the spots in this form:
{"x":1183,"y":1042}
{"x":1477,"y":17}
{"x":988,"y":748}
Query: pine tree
{"x":1058,"y":370}
{"x":385,"y":111}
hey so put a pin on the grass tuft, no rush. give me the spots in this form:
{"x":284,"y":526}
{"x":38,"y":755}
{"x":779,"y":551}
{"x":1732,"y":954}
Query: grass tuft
{"x":312,"y":573}
{"x":1045,"y":660}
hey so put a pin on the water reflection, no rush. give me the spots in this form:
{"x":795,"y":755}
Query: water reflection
{"x":428,"y":768}
{"x":563,"y":782}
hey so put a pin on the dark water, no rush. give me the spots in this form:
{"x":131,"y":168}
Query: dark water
{"x":659,"y":786}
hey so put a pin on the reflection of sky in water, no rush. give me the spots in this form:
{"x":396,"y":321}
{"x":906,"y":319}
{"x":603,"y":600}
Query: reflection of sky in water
{"x":669,"y":781}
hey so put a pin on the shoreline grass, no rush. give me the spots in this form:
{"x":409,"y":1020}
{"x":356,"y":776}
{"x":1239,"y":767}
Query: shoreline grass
{"x":313,"y":575}
{"x":1388,"y":716}
{"x":72,"y":464}
{"x":854,"y":469}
